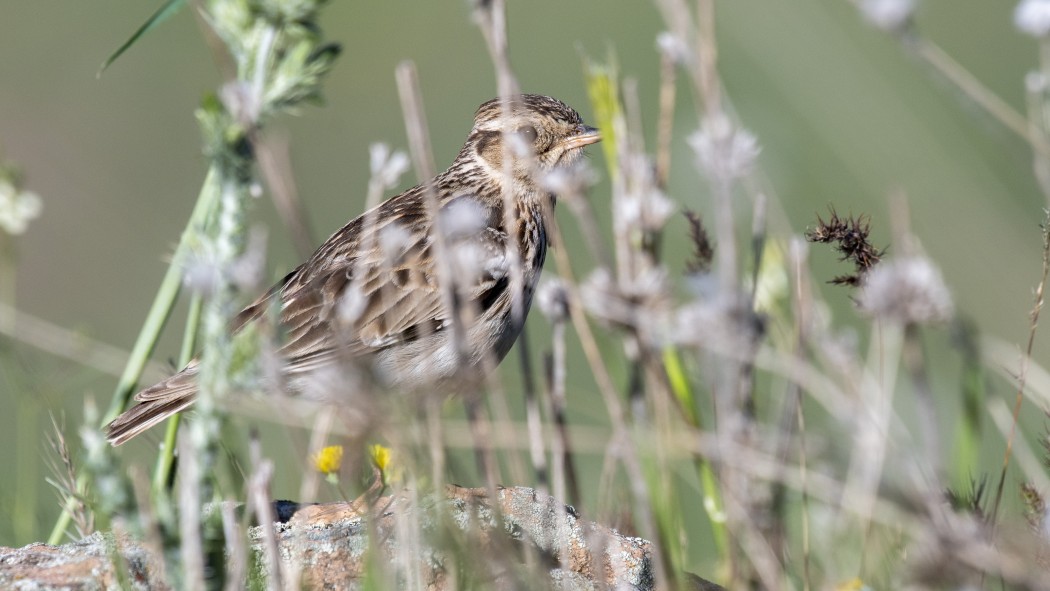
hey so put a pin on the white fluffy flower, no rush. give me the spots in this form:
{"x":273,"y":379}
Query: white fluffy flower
{"x":394,"y":240}
{"x":568,"y":181}
{"x":673,"y":47}
{"x":906,"y":290}
{"x":723,"y":149}
{"x":1035,"y":82}
{"x":352,"y":304}
{"x":888,"y":15}
{"x":241,"y":101}
{"x":552,"y":298}
{"x":463,"y":217}
{"x":1033,"y":17}
{"x":472,"y":262}
{"x":644,"y":206}
{"x":519,"y":146}
{"x":17,"y":208}
{"x":648,"y":211}
{"x":202,"y":272}
{"x":387,"y":167}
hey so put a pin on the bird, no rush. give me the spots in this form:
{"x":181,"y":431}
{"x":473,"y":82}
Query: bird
{"x":430,"y":286}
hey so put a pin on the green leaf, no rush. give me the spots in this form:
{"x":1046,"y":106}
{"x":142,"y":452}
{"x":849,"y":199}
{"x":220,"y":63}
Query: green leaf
{"x":168,"y":9}
{"x":603,"y":90}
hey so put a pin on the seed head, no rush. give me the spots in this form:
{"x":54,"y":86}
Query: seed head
{"x":909,"y":290}
{"x":1033,"y":17}
{"x":724,"y":150}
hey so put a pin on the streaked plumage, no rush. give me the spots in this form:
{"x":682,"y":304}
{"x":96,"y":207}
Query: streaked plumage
{"x":372,"y":290}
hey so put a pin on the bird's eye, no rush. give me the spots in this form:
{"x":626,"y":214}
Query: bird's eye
{"x":527,"y":133}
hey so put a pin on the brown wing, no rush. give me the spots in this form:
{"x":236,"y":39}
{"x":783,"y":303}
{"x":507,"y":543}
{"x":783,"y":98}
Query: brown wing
{"x":374,"y":284}
{"x":156,"y":403}
{"x":371,"y":285}
{"x":368,"y":287}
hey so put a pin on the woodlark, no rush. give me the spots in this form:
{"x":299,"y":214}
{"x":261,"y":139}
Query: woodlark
{"x":419,"y":298}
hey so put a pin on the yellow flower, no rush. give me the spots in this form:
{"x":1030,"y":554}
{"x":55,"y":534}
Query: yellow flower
{"x":854,"y":584}
{"x":380,"y":456}
{"x":328,"y":460}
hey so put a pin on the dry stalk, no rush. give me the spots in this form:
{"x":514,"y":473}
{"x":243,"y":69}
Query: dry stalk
{"x":191,"y":547}
{"x":620,"y":442}
{"x":1022,"y":374}
{"x":236,"y":547}
{"x":275,"y":165}
{"x":261,"y":505}
{"x":65,"y":480}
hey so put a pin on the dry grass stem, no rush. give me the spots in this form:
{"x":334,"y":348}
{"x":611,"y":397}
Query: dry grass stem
{"x":191,"y":549}
{"x":236,"y":547}
{"x":64,"y":480}
{"x":275,"y":164}
{"x":68,"y":344}
{"x":261,"y":505}
{"x":936,"y":57}
{"x":1022,"y":374}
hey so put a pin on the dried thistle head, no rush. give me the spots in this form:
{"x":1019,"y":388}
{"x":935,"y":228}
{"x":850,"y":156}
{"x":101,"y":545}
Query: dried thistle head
{"x":850,"y":236}
{"x":703,"y":250}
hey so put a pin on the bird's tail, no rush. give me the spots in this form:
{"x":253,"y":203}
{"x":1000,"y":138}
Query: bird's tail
{"x":156,"y":403}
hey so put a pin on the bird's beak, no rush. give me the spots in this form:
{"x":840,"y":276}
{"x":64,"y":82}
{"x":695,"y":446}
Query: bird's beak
{"x":584,"y":136}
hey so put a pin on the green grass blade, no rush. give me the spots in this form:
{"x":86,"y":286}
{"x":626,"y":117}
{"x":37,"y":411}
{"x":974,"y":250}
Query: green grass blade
{"x":602,"y":89}
{"x":166,"y":10}
{"x":158,"y":315}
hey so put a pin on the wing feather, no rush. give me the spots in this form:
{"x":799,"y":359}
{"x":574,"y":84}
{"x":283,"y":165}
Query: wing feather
{"x":400,"y":301}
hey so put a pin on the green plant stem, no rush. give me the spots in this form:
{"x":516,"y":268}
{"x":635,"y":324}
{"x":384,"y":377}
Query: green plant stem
{"x":164,"y":302}
{"x":7,"y":282}
{"x":160,"y":311}
{"x":712,"y":496}
{"x":166,"y":460}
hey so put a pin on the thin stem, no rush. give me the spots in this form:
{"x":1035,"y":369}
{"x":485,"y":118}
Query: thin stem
{"x":1022,"y":374}
{"x":621,"y":437}
{"x":162,"y":480}
{"x":532,"y":415}
{"x":164,"y":301}
{"x":62,"y":342}
{"x":981,"y":94}
{"x":8,"y":283}
{"x":665,"y":123}
{"x":160,"y":311}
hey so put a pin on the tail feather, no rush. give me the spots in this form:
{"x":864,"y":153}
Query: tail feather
{"x":157,"y":403}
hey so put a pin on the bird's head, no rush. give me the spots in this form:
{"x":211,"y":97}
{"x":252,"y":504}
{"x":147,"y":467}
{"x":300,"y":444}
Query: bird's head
{"x":536,"y":132}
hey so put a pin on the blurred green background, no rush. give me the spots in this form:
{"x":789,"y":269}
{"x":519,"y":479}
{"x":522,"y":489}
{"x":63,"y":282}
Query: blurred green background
{"x":843,"y":114}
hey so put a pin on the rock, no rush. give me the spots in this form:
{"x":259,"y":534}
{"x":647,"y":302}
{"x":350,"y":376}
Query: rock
{"x":80,"y":566}
{"x":520,"y":536}
{"x":327,"y":542}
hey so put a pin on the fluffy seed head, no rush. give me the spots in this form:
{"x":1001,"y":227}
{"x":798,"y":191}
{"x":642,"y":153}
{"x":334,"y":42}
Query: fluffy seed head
{"x":724,"y":150}
{"x":907,"y":290}
{"x":888,"y":15}
{"x":1033,"y":17}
